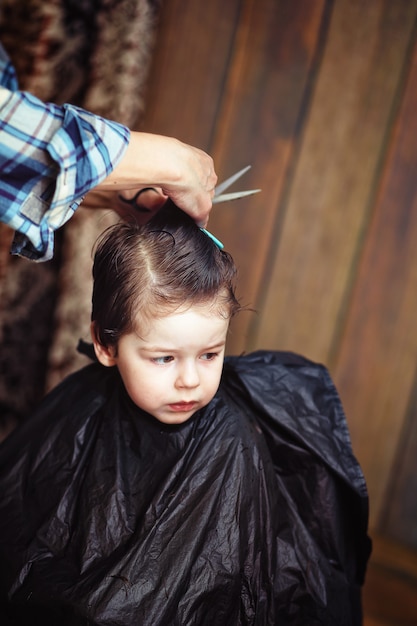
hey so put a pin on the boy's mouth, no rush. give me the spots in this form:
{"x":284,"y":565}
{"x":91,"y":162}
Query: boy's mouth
{"x":183,"y":406}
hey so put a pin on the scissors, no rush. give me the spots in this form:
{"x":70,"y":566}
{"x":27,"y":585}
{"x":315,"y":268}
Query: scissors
{"x":220,"y":196}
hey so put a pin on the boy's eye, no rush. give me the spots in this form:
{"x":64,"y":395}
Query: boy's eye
{"x":162,"y":360}
{"x":209,"y":356}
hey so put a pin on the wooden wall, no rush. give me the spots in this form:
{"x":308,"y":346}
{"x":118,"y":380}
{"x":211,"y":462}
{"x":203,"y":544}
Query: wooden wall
{"x":320,"y":97}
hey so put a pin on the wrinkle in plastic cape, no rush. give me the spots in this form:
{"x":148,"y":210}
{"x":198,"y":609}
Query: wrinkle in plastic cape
{"x":252,"y":512}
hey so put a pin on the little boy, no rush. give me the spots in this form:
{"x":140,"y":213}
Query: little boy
{"x":173,"y":486}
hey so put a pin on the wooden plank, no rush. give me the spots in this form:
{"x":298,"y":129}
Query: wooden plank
{"x":258,"y":123}
{"x":390,"y":591}
{"x":190,"y":62}
{"x":327,"y":205}
{"x":399,"y":516}
{"x":394,"y":556}
{"x":389,"y":600}
{"x":378,"y":353}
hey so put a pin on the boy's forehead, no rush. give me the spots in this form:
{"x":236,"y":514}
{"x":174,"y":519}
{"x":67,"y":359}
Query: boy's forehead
{"x":217,"y":306}
{"x":202,"y":321}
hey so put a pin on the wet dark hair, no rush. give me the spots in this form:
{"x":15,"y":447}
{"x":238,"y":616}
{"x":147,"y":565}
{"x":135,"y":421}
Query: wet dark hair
{"x":153,"y":269}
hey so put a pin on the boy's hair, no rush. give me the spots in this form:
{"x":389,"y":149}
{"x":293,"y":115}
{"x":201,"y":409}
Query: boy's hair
{"x":155,"y":269}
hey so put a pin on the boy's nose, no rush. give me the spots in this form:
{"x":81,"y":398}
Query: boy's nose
{"x":188,"y":376}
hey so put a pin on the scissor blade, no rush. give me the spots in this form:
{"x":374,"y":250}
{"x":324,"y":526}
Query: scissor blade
{"x":225,"y":197}
{"x":229,"y":181}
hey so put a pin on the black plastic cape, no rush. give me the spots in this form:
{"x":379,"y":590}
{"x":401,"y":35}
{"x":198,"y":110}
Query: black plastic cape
{"x":252,"y":512}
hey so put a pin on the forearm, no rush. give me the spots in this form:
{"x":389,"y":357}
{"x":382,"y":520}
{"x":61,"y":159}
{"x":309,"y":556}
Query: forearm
{"x":149,"y":160}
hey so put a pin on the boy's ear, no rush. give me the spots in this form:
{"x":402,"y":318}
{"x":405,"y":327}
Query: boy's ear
{"x":104,"y":354}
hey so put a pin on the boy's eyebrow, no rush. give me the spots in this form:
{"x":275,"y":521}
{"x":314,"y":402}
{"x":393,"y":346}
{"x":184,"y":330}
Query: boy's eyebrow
{"x":218,"y":344}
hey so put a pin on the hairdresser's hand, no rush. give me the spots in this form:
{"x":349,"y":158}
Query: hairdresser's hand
{"x":183,"y":173}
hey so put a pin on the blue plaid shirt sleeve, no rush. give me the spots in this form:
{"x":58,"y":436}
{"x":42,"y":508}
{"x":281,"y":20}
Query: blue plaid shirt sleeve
{"x":50,"y":157}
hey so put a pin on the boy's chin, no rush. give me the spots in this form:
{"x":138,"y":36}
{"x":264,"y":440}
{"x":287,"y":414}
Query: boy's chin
{"x":175,"y":418}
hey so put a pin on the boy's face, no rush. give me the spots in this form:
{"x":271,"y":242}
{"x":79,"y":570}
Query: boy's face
{"x":174,"y":367}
